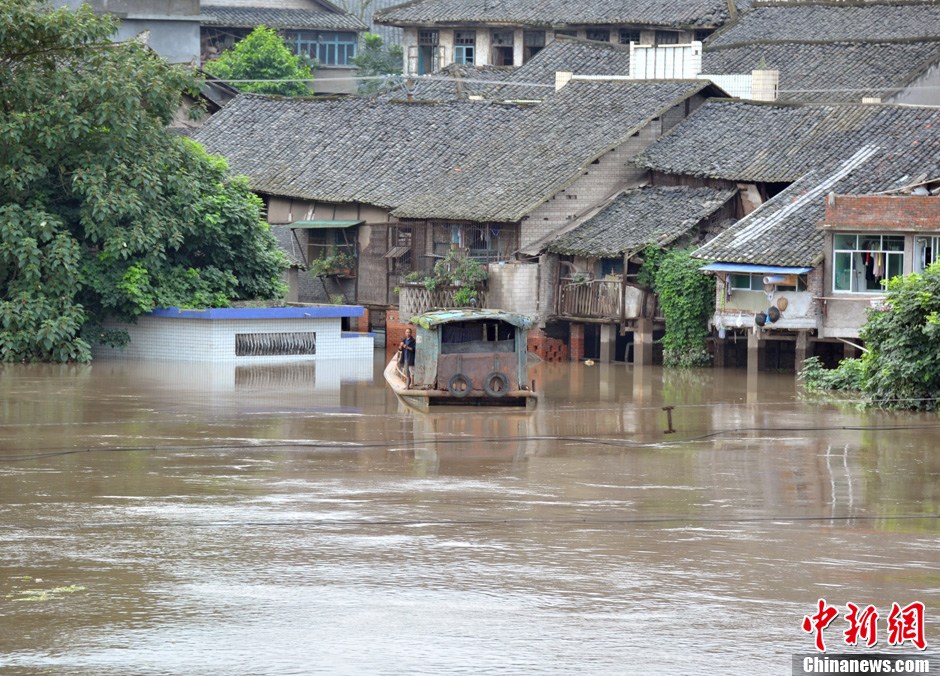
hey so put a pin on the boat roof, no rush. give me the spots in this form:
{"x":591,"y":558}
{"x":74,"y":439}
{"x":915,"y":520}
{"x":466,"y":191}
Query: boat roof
{"x":435,"y":318}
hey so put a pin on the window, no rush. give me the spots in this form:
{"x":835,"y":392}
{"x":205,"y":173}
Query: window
{"x":533,"y":42}
{"x":862,"y":262}
{"x":464,"y":47}
{"x":598,"y":34}
{"x":401,"y":241}
{"x":702,"y":34}
{"x":484,"y":243}
{"x":926,"y":251}
{"x":667,"y":38}
{"x":502,"y":41}
{"x":328,"y":48}
{"x":428,"y":38}
{"x":567,"y":33}
{"x":328,"y":242}
{"x":628,"y":36}
{"x":755,"y":282}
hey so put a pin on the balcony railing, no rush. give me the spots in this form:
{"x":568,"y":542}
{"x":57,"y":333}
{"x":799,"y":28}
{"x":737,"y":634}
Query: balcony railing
{"x":414,"y":299}
{"x":603,"y":299}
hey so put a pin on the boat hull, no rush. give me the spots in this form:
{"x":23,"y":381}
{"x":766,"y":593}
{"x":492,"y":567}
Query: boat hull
{"x":423,"y":399}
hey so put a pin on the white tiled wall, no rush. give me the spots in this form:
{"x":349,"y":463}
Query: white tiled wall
{"x":204,"y":340}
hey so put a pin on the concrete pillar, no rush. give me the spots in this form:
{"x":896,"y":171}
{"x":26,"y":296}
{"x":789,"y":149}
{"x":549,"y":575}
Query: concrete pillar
{"x":752,"y":383}
{"x":753,"y":352}
{"x":608,"y":343}
{"x":642,"y":383}
{"x":802,"y":348}
{"x":576,"y":342}
{"x":607,"y":386}
{"x":643,"y":342}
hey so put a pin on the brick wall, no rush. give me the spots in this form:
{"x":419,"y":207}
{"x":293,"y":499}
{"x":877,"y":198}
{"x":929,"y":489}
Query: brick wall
{"x":547,"y":348}
{"x":394,"y":332}
{"x":882,"y":212}
{"x":576,"y":342}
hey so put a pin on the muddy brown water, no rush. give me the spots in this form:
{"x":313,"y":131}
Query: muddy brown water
{"x":289,"y":519}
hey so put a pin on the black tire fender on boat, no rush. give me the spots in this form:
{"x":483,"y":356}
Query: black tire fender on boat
{"x":454,"y":385}
{"x":496,"y":385}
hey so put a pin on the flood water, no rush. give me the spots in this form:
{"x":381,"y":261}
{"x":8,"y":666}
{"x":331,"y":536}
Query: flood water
{"x":288,"y":519}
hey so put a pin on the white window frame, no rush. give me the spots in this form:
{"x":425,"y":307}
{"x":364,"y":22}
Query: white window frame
{"x":865,"y":245}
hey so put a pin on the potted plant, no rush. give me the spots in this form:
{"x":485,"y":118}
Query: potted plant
{"x":337,"y":264}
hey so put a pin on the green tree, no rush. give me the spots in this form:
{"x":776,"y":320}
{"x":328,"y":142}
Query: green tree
{"x":901,"y":369}
{"x":687,"y":298}
{"x":902,"y":338}
{"x":375,"y":59}
{"x":104,"y":212}
{"x":263,"y":56}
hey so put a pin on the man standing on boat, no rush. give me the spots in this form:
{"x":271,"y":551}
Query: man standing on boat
{"x":407,"y":348}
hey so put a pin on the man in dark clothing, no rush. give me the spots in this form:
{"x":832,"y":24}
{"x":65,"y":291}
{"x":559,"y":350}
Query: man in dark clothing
{"x":407,"y":348}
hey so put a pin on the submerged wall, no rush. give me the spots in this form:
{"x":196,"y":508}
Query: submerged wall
{"x":243,"y":335}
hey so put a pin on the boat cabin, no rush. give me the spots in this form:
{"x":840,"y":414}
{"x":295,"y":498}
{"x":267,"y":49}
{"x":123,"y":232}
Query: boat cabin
{"x":472,"y":356}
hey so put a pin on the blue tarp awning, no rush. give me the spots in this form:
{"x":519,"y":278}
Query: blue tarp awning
{"x":748,"y":268}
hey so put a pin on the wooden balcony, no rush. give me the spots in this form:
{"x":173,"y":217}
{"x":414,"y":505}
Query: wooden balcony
{"x":603,"y":299}
{"x":413,"y":299}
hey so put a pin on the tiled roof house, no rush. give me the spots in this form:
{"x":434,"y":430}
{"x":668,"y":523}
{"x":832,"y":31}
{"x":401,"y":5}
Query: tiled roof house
{"x":842,"y":51}
{"x":316,"y":28}
{"x":533,"y":81}
{"x":419,"y":178}
{"x":801,"y":156}
{"x":510,"y":32}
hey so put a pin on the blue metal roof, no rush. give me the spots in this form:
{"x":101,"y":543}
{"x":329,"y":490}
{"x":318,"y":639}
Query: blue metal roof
{"x":747,"y":268}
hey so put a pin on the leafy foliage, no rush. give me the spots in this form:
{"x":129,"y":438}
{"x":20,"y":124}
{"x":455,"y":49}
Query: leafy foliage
{"x":455,"y":269}
{"x":652,"y":258}
{"x":848,"y":375}
{"x":687,"y":298}
{"x":262,"y":55}
{"x":332,"y":264}
{"x":103,"y":212}
{"x":466,"y":296}
{"x":900,"y":368}
{"x":375,"y":59}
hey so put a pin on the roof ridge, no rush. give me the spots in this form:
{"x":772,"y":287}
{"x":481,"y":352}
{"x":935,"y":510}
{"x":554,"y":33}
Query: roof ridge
{"x":847,"y":43}
{"x":841,"y":3}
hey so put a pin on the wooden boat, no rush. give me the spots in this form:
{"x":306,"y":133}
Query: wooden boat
{"x":467,"y":357}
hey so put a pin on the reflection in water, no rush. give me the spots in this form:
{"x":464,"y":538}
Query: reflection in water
{"x":295,"y":519}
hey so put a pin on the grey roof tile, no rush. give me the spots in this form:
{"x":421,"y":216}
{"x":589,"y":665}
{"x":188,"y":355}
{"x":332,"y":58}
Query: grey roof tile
{"x":532,"y":81}
{"x":839,"y":71}
{"x":557,"y":13}
{"x":349,"y":150}
{"x":280,"y":18}
{"x":845,"y":149}
{"x":846,"y":22}
{"x":768,"y":142}
{"x":829,"y":51}
{"x":513,"y":171}
{"x":451,"y":82}
{"x":636,"y":218}
{"x":584,"y":57}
